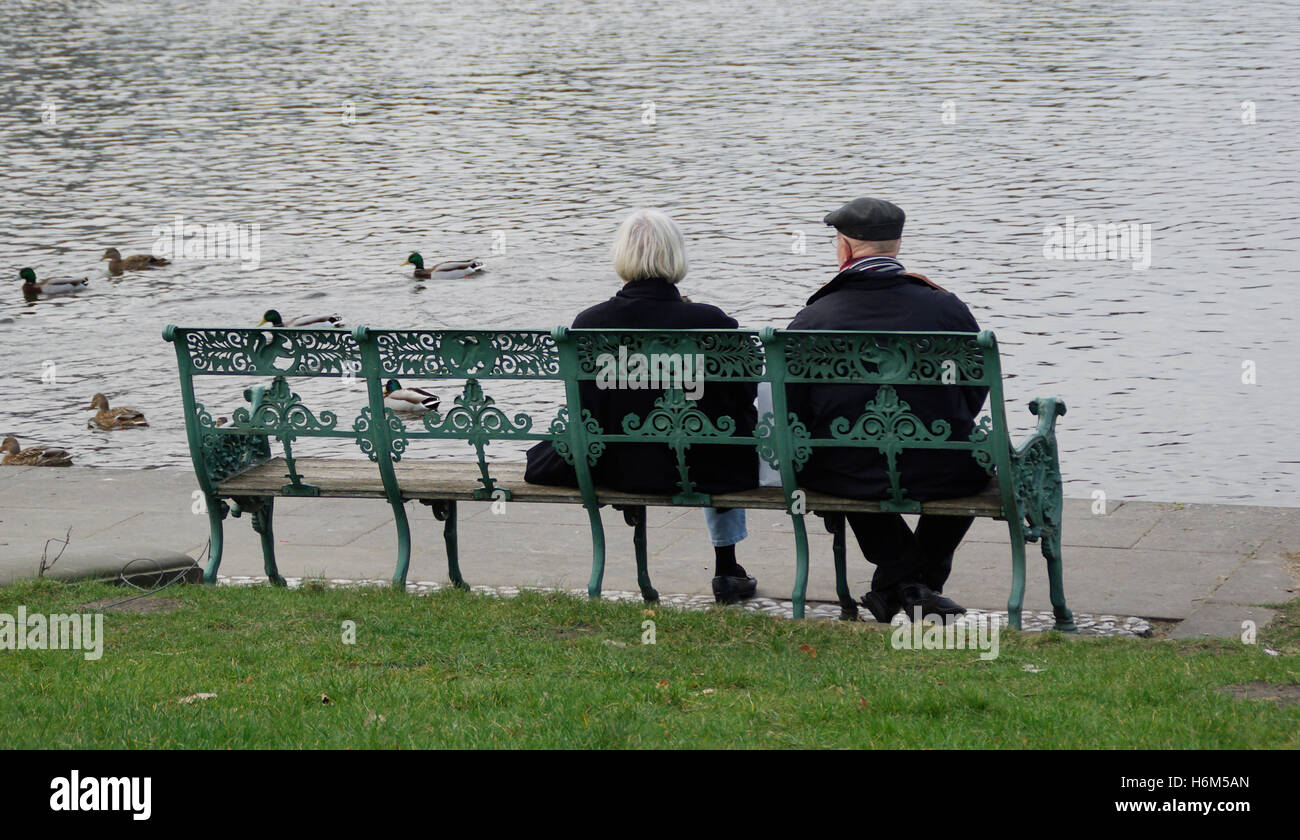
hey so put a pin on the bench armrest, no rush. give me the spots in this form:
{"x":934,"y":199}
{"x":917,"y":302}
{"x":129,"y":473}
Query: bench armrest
{"x":1036,"y":473}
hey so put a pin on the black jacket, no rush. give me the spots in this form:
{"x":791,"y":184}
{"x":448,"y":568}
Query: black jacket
{"x":652,"y":467}
{"x":890,"y":301}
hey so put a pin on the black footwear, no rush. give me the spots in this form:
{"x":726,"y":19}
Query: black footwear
{"x":734,"y":587}
{"x":881,"y":606}
{"x":920,"y":599}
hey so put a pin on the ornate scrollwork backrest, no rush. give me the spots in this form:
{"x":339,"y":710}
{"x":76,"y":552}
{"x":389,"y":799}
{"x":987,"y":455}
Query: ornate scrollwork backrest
{"x":676,"y":421}
{"x":364,"y":428}
{"x":460,"y":354}
{"x":279,"y":412}
{"x":984,"y":439}
{"x":879,"y":358}
{"x":888,"y":424}
{"x":559,"y":430}
{"x":272,"y":352}
{"x":476,"y":419}
{"x":885,"y":358}
{"x":766,"y":431}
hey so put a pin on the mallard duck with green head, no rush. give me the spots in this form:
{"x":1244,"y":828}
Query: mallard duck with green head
{"x":117,"y":263}
{"x":114,"y":418}
{"x":33,"y":288}
{"x":449,"y":270}
{"x":411,"y":400}
{"x":320,"y":321}
{"x":33,"y":456}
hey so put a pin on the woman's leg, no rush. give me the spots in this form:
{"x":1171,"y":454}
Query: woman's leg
{"x":726,"y":527}
{"x":731,"y":582}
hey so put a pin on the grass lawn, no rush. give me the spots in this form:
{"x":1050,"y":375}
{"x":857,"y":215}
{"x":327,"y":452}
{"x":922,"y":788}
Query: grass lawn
{"x":460,"y":670}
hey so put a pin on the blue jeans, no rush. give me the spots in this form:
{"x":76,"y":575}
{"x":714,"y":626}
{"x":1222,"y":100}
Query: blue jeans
{"x":725,"y":528}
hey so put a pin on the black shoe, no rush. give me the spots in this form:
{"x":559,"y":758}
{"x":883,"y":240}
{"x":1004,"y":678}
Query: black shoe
{"x":920,"y":599}
{"x":882,"y":607}
{"x":734,"y":586}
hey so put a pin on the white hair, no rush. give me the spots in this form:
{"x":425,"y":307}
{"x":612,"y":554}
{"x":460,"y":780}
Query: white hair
{"x":649,"y":244}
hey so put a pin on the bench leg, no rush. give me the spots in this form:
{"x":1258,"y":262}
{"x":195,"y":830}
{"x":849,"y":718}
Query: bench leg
{"x":444,"y":510}
{"x":263,"y":510}
{"x":801,"y":565}
{"x":216,"y":513}
{"x":403,"y":544}
{"x":597,"y":552}
{"x":1017,"y":598}
{"x":451,"y":540}
{"x":636,"y":517}
{"x":1052,"y":552}
{"x":835,"y":523}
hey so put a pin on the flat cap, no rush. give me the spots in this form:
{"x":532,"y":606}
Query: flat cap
{"x":872,"y":219}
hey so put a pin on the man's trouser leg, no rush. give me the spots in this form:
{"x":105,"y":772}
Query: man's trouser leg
{"x":887,"y":542}
{"x":938,"y":538}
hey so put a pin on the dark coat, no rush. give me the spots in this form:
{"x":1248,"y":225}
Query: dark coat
{"x":890,"y":301}
{"x":652,"y":467}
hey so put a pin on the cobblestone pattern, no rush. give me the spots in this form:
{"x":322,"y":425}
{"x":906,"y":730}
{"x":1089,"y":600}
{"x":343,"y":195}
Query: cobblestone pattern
{"x":1032,"y":622}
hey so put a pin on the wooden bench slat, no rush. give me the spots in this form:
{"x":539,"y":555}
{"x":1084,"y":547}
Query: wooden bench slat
{"x":459,"y":479}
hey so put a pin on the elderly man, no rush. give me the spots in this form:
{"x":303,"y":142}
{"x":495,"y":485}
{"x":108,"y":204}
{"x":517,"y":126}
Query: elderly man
{"x":650,"y":258}
{"x":872,"y":291}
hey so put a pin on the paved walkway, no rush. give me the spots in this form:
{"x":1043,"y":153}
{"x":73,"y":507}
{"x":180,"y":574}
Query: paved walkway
{"x":1207,"y":566}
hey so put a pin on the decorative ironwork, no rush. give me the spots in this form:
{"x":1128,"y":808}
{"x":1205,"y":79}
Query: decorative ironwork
{"x":262,"y":510}
{"x":676,"y":421}
{"x":225,"y":455}
{"x":983,"y":453}
{"x":396,"y":433}
{"x":1036,"y":480}
{"x":560,"y":430}
{"x":477,"y":420}
{"x":947,"y":359}
{"x":889,"y":425}
{"x":766,"y":432}
{"x":519,"y":354}
{"x":727,"y":355}
{"x":884,"y":358}
{"x":278,"y":411}
{"x":288,"y":351}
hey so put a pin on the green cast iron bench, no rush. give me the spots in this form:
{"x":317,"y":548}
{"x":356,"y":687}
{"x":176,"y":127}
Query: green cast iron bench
{"x":238,"y":472}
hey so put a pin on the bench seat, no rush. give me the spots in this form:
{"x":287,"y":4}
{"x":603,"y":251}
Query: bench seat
{"x":459,"y":479}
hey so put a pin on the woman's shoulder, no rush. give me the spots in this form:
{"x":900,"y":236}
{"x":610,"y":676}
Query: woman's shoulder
{"x":616,"y":313}
{"x":708,"y":315}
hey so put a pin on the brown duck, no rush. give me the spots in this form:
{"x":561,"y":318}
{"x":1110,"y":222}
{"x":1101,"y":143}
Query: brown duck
{"x":117,"y":263}
{"x":114,"y":418}
{"x":34,"y":456}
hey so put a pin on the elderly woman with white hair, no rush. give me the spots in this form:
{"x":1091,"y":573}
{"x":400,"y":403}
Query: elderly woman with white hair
{"x":650,"y":258}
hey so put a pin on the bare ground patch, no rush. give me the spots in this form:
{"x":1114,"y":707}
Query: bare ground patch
{"x":1283,"y":695}
{"x":148,"y":605}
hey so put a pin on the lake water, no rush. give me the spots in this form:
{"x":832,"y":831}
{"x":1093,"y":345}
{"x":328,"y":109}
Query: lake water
{"x":355,"y":133}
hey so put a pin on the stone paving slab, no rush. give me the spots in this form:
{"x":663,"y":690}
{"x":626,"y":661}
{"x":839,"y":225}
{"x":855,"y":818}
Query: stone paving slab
{"x":1154,"y":560}
{"x":1220,"y":621}
{"x":1217,"y":528}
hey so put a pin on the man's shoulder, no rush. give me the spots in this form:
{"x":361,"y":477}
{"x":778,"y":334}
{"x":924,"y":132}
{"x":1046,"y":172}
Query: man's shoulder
{"x":929,"y":307}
